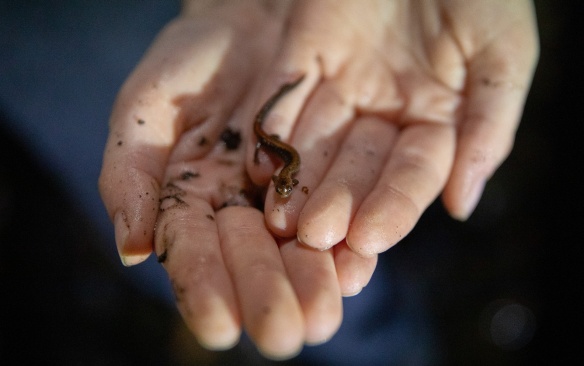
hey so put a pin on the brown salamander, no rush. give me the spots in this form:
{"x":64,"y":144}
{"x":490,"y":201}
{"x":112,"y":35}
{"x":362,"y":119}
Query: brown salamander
{"x":285,"y":181}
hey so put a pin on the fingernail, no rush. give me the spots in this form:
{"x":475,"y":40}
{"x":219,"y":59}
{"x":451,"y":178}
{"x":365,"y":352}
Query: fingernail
{"x":471,"y":199}
{"x":122,"y":231}
{"x":132,"y":260}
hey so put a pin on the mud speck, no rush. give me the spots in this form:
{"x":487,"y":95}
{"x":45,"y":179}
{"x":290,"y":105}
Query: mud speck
{"x":189,"y":175}
{"x":141,"y":121}
{"x":172,"y":197}
{"x":210,"y":217}
{"x":162,"y":257}
{"x":305,"y":189}
{"x":486,"y":82}
{"x":231,"y":138}
{"x":203,"y":141}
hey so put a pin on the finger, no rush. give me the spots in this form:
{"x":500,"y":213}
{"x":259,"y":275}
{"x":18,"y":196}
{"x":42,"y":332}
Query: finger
{"x":153,"y":108}
{"x":313,"y":276}
{"x":187,"y":245}
{"x":270,"y":310}
{"x":353,"y":271}
{"x":325,"y":218}
{"x":499,"y":77}
{"x":414,"y":175}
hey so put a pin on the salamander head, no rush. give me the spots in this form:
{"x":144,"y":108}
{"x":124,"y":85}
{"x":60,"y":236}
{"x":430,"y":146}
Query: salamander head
{"x":284,"y":185}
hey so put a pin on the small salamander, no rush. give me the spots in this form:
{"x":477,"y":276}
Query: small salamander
{"x":285,"y":181}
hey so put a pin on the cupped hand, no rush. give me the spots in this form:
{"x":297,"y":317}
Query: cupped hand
{"x":175,"y":160}
{"x":402,"y":101}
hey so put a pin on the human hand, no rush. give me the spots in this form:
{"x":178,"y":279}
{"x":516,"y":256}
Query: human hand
{"x":424,"y":107}
{"x":402,"y":100}
{"x":174,"y":159}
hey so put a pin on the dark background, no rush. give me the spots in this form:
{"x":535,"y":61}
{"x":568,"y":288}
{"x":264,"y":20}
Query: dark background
{"x":65,"y":302}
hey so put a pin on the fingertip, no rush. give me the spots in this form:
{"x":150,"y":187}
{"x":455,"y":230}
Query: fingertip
{"x":281,"y":353}
{"x":280,"y":337}
{"x":353,"y":271}
{"x":383,"y":220}
{"x":222,"y":340}
{"x":469,"y":200}
{"x":463,"y":192}
{"x":322,"y":329}
{"x":132,"y":260}
{"x":368,"y":250}
{"x":128,"y":255}
{"x":323,"y":309}
{"x":277,"y":343}
{"x":325,"y":218}
{"x":368,"y":243}
{"x":350,"y":291}
{"x":214,"y":323}
{"x":305,"y":240}
{"x":318,"y":340}
{"x":281,"y":216}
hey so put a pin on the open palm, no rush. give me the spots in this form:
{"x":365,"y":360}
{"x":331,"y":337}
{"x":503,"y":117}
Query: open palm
{"x":404,"y":100}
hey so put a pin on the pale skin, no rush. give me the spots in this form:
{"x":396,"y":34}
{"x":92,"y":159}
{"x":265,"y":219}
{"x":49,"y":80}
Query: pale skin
{"x":402,"y":101}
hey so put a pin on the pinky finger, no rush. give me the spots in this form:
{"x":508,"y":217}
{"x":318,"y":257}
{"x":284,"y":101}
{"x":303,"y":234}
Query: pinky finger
{"x":353,"y":271}
{"x":499,"y":79}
